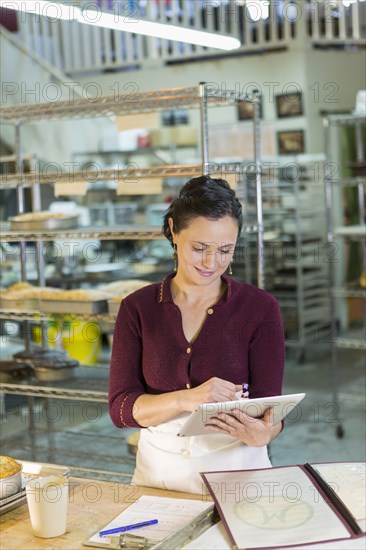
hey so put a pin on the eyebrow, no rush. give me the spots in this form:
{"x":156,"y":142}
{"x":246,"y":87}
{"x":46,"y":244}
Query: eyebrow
{"x":223,"y":245}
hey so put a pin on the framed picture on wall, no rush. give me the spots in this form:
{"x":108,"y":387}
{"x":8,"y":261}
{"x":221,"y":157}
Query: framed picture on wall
{"x":291,"y":142}
{"x":289,"y":105}
{"x":246,"y":109}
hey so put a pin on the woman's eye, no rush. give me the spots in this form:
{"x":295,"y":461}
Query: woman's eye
{"x":198,"y":249}
{"x":225,"y":251}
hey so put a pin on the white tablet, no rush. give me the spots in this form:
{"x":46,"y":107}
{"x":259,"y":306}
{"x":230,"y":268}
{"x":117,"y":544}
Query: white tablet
{"x":282,"y":405}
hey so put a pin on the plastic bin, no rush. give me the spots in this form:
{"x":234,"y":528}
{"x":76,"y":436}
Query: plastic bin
{"x":124,"y":213}
{"x":101,"y":214}
{"x":155,"y":213}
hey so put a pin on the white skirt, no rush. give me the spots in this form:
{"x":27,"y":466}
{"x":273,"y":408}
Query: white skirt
{"x":167,"y":461}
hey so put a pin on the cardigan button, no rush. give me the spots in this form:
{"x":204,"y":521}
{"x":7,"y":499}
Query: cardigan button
{"x":188,"y":386}
{"x":210,"y":311}
{"x":188,"y":350}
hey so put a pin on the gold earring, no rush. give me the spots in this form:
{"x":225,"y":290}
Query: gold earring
{"x":175,"y":257}
{"x":230,"y":270}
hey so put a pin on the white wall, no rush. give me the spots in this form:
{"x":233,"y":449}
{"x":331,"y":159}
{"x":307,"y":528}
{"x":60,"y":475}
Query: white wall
{"x":328,"y":79}
{"x":24,"y":81}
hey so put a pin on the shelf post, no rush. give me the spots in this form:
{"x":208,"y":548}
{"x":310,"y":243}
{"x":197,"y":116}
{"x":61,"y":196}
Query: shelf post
{"x":204,"y":127}
{"x":40,"y":264}
{"x":20,"y":200}
{"x":259,"y":202}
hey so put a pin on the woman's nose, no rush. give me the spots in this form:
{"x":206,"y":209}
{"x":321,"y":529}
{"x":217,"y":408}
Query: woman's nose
{"x":209,"y":259}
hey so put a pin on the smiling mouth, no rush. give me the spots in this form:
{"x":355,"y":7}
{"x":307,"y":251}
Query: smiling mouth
{"x":204,"y":273}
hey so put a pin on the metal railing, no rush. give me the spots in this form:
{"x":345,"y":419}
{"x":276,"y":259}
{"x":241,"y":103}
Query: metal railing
{"x":259,"y":24}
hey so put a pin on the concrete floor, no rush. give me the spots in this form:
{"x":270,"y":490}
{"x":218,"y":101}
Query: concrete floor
{"x":84,"y":438}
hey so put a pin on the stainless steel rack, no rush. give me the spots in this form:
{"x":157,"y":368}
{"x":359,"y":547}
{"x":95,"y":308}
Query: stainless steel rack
{"x":127,"y":233}
{"x":95,"y":378}
{"x":124,"y":104}
{"x":338,"y":235}
{"x":296,"y":275}
{"x":201,"y":97}
{"x":129,"y":175}
{"x":37,"y":316}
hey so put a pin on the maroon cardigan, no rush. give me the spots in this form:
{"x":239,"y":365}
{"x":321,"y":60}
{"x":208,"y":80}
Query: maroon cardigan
{"x":242,"y":340}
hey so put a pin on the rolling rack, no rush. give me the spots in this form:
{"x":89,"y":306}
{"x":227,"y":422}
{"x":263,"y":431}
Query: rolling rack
{"x":201,"y":97}
{"x":338,"y":235}
{"x":294,"y":233}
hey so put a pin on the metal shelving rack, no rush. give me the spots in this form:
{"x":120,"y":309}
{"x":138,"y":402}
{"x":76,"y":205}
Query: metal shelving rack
{"x":294,"y":234}
{"x":200,"y":97}
{"x":340,"y":234}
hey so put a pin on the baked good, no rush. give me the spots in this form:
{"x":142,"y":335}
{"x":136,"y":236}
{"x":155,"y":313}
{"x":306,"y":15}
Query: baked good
{"x":8,"y":466}
{"x":122,"y":288}
{"x":30,"y":293}
{"x":81,"y":295}
{"x":39,"y":216}
{"x":19,"y":286}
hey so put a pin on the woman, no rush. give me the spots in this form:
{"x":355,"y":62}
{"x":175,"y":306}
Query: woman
{"x":196,"y":337}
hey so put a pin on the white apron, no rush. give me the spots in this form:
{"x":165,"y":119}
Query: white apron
{"x":167,"y":461}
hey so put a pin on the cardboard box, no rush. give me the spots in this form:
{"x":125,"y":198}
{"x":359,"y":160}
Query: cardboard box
{"x":147,"y":121}
{"x":140,"y":186}
{"x":181,"y":136}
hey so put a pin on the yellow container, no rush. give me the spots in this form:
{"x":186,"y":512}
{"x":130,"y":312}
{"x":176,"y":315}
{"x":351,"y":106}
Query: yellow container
{"x":82,"y":340}
{"x":54,"y":333}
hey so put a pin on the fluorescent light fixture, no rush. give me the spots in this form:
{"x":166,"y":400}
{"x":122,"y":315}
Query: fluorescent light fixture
{"x":158,"y":30}
{"x":258,"y":9}
{"x":53,"y":10}
{"x":99,"y":18}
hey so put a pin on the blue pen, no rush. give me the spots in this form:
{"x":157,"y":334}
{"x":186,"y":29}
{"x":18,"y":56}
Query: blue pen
{"x":127,"y":527}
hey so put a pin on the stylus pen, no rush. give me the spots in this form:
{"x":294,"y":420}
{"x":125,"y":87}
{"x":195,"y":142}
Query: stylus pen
{"x":127,"y":527}
{"x":245,"y":391}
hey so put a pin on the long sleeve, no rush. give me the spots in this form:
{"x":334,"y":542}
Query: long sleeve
{"x":267,"y":355}
{"x":126,"y":381}
{"x":240,"y":341}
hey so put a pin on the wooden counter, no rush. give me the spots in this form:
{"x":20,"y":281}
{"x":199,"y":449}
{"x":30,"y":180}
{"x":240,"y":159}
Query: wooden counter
{"x":92,"y":504}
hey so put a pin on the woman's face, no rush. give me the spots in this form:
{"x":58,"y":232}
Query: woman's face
{"x":205,"y":248}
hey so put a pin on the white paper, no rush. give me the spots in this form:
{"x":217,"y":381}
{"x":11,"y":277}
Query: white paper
{"x":172,"y":514}
{"x":274,"y":507}
{"x":348,"y":480}
{"x":351,"y":544}
{"x":214,"y":538}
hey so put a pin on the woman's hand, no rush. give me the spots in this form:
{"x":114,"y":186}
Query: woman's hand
{"x":213,"y":391}
{"x":255,"y":432}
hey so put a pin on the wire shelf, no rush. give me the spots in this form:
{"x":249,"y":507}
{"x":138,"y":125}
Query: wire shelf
{"x":127,"y":233}
{"x":95,"y":378}
{"x":131,"y":174}
{"x":349,"y":293}
{"x":38,"y":316}
{"x":56,"y":393}
{"x":344,"y":120}
{"x":126,"y":104}
{"x":350,"y":343}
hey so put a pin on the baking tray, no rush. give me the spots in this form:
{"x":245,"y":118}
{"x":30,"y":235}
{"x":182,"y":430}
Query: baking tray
{"x":69,"y":222}
{"x":39,"y":356}
{"x":113,"y":307}
{"x":31,"y":470}
{"x":76,"y":307}
{"x":55,"y":372}
{"x":20,"y":303}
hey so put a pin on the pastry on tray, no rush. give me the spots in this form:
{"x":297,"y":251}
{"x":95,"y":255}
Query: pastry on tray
{"x":39,"y":216}
{"x":118,"y":288}
{"x":79,"y":295}
{"x":8,"y":466}
{"x":30,"y":292}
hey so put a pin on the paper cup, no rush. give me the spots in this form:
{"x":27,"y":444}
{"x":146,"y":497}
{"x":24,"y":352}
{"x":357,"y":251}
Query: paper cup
{"x":47,"y":499}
